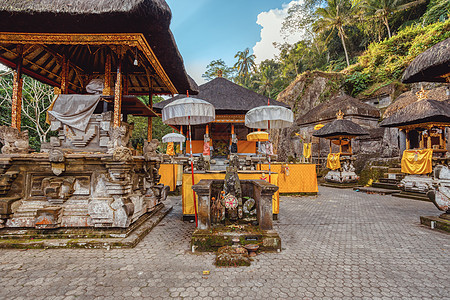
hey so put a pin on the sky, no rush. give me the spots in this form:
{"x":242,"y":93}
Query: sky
{"x":206,"y":30}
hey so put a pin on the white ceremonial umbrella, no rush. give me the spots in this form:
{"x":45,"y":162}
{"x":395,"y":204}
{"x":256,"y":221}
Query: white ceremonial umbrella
{"x":174,"y":138}
{"x":189,"y":111}
{"x":269,"y":117}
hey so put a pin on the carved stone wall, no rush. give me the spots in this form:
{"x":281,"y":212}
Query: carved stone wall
{"x":93,"y":190}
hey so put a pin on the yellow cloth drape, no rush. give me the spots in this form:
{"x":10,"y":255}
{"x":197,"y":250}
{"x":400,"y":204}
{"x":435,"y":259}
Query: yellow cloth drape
{"x":188,"y":200}
{"x":170,"y":150}
{"x":417,"y":161}
{"x":307,"y":150}
{"x":169,"y":174}
{"x":333,"y":161}
{"x":302,"y":178}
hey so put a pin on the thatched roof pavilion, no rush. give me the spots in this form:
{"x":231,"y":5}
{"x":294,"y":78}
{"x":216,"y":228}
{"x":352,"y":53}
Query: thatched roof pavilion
{"x":340,"y":127}
{"x":420,"y":112}
{"x":231,"y":102}
{"x":431,"y":65}
{"x":226,"y":96}
{"x":407,"y":98}
{"x":348,"y":105}
{"x":83,"y":32}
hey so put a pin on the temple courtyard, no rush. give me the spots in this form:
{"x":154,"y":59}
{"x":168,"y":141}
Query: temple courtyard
{"x":340,"y":244}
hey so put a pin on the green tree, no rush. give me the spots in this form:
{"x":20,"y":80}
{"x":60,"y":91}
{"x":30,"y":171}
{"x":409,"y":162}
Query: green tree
{"x":245,"y":65}
{"x":213,"y":68}
{"x":36,"y":99}
{"x":334,"y":16}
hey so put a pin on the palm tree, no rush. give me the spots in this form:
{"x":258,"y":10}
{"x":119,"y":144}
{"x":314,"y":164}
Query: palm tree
{"x":267,"y":77}
{"x":383,"y":9}
{"x":334,"y":16}
{"x":245,"y":63}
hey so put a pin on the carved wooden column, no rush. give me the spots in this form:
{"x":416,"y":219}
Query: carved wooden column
{"x":118,"y":93}
{"x":64,"y":75}
{"x":150,"y":120}
{"x":107,"y":90}
{"x":16,"y":107}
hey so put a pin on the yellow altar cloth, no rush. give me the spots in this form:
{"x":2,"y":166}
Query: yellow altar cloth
{"x":188,"y":200}
{"x":168,"y":174}
{"x":333,"y":161}
{"x":297,"y":178}
{"x":307,"y":150}
{"x":417,"y":161}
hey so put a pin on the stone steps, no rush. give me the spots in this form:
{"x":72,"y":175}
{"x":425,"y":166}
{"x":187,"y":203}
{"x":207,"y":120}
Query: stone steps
{"x":411,"y":195}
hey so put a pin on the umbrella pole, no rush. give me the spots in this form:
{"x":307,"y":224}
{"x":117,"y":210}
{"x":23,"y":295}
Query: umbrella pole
{"x":192,"y":171}
{"x":268,"y":123}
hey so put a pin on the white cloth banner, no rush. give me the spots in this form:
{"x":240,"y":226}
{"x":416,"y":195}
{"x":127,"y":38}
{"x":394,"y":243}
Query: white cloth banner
{"x":74,"y":110}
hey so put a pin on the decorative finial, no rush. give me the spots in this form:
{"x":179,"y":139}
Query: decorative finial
{"x":422,"y":95}
{"x":340,"y":115}
{"x":219,"y":73}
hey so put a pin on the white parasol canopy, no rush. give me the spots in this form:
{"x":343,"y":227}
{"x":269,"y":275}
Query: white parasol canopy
{"x":173,"y":137}
{"x":187,"y":111}
{"x":278,"y":116}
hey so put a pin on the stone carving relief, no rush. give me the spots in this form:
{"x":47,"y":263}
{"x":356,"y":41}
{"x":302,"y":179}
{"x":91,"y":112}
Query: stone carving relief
{"x":13,"y":140}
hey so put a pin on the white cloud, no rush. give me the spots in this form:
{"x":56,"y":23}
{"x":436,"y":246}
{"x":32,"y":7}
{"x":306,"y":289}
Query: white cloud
{"x":272,"y":22}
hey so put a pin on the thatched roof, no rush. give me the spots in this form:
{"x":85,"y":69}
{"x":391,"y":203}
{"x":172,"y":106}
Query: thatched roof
{"x":151,"y":18}
{"x":340,"y":128}
{"x":430,"y":65}
{"x":348,"y":105}
{"x":226,"y":96}
{"x":407,"y":98}
{"x":420,"y":112}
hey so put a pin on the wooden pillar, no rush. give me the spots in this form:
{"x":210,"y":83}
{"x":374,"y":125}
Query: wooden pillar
{"x":340,"y":145}
{"x":150,"y":120}
{"x":107,"y":90}
{"x":118,"y":93}
{"x":16,"y":106}
{"x":429,"y":140}
{"x":64,"y":75}
{"x":330,"y":147}
{"x":350,"y":146}
{"x":407,"y":139}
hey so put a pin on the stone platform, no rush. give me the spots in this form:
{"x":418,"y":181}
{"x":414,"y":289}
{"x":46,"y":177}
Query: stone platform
{"x":435,"y":222}
{"x":84,"y":238}
{"x":212,"y":240}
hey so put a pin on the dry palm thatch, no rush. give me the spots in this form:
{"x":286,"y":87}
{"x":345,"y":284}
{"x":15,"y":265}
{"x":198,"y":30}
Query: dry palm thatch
{"x":340,"y":128}
{"x":407,"y":98}
{"x":226,"y":96}
{"x":420,"y":112}
{"x":431,"y":65}
{"x":148,"y":17}
{"x":348,"y":105}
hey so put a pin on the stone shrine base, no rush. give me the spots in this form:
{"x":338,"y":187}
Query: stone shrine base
{"x":212,"y":240}
{"x":436,"y":222}
{"x":89,"y":238}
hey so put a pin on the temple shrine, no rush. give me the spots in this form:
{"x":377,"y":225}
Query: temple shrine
{"x":98,"y":59}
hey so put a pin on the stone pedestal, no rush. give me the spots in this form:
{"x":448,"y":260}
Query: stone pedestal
{"x":210,"y":237}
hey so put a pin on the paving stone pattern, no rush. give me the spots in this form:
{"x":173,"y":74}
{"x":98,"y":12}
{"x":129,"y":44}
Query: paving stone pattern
{"x":339,"y":245}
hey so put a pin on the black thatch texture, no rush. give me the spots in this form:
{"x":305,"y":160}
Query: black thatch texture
{"x":149,"y":17}
{"x":420,"y":112}
{"x":407,"y":98}
{"x":430,"y":65}
{"x":340,"y":128}
{"x":226,"y":96}
{"x":348,"y":105}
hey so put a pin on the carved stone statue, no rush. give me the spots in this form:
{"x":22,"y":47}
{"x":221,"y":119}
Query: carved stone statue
{"x":232,"y":188}
{"x":150,"y":149}
{"x":13,"y":140}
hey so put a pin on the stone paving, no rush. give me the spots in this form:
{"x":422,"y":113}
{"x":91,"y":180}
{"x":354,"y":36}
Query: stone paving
{"x":338,"y":245}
